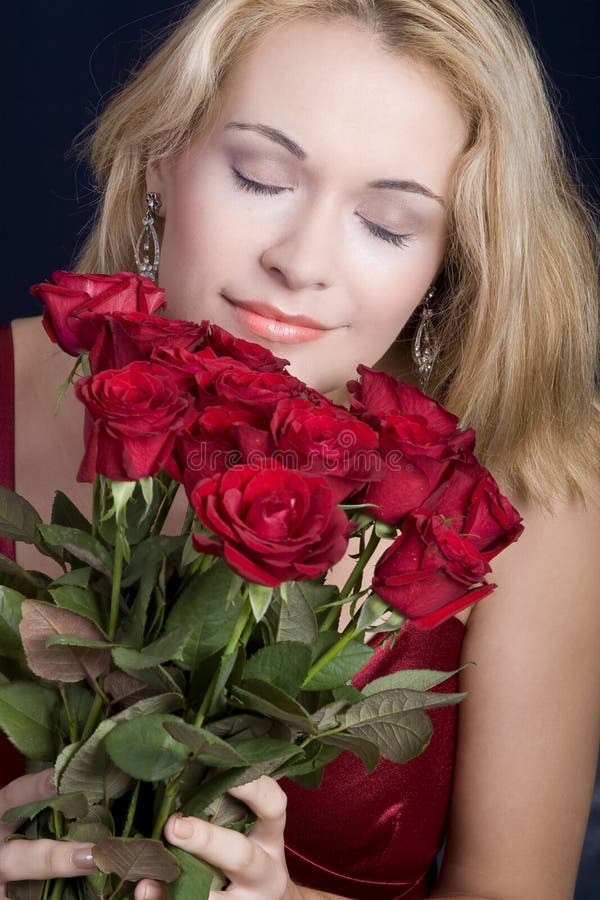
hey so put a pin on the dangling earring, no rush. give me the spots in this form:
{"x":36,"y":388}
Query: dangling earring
{"x":148,"y":236}
{"x":425,"y":346}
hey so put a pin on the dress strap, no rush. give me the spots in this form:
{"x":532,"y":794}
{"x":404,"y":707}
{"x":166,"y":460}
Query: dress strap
{"x":7,"y":421}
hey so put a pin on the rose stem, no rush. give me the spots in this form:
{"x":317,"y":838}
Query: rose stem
{"x":165,"y":506}
{"x":116,"y":586}
{"x":238,"y":631}
{"x":354,"y":576}
{"x":339,"y":645}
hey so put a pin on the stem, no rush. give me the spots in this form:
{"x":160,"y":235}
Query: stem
{"x":93,"y":717}
{"x":131,"y":810}
{"x":166,"y":807}
{"x":188,"y":521}
{"x":116,"y":586}
{"x":165,"y":507}
{"x":339,"y":645}
{"x":117,"y":890}
{"x":72,"y":724}
{"x":236,"y":636}
{"x":57,"y":890}
{"x":355,"y":576}
{"x":365,"y":556}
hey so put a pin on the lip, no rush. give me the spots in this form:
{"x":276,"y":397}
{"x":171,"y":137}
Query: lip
{"x":269,"y":322}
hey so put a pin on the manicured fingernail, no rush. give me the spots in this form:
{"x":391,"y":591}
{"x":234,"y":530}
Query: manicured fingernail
{"x":83,"y":858}
{"x":152,"y":892}
{"x":182,"y":828}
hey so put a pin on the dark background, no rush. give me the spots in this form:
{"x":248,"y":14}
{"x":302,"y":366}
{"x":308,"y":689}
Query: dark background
{"x":63,"y":60}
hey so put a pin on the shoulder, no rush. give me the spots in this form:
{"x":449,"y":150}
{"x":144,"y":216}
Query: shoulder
{"x":529,"y":729}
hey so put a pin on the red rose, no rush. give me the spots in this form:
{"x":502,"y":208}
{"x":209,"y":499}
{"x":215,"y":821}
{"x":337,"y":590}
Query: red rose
{"x":470,"y":496}
{"x":271,"y":525}
{"x":430,"y":571}
{"x":258,"y":358}
{"x":71,"y":299}
{"x":418,"y":439}
{"x":123,"y":338}
{"x":259,"y":390}
{"x":133,"y":416}
{"x":326,"y":440}
{"x":197,"y":371}
{"x":217,"y":439}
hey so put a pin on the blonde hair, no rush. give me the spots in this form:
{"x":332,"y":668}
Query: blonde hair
{"x":517,"y":319}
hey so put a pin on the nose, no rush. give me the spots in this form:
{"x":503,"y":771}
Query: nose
{"x":303,"y":256}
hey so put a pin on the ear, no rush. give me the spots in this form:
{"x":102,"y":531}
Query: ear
{"x":156,"y":181}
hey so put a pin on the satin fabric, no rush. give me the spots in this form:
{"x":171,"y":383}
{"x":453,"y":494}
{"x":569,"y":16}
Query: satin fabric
{"x":369,"y":837}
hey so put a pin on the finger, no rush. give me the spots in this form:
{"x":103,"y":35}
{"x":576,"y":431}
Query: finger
{"x":44,"y":859}
{"x":24,"y":790}
{"x":242,"y":860}
{"x":265,"y":798}
{"x":150,"y":890}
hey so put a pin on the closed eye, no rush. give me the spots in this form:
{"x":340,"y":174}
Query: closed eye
{"x":392,"y":237}
{"x":256,"y":187}
{"x":270,"y":190}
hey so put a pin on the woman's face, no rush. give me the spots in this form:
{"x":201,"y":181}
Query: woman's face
{"x":317,"y":197}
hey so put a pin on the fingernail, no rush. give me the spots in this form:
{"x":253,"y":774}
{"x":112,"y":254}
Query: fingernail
{"x":83,"y":858}
{"x":152,"y":892}
{"x":49,"y":781}
{"x":183,"y":828}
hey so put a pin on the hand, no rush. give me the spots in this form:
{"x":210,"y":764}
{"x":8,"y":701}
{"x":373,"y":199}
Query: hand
{"x":24,"y":860}
{"x":254,"y":864}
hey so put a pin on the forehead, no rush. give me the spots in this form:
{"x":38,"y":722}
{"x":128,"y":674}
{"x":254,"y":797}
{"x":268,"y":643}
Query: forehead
{"x":332,"y":88}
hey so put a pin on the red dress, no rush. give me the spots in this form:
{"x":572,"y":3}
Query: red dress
{"x":370,"y":837}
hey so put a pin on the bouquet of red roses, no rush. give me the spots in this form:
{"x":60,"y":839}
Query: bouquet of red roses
{"x":159,"y":669}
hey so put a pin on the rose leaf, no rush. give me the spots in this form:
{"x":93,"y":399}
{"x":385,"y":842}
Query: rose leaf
{"x":144,"y":749}
{"x":60,"y":663}
{"x":133,"y":859}
{"x":196,"y":878}
{"x":284,"y":664}
{"x":28,"y":715}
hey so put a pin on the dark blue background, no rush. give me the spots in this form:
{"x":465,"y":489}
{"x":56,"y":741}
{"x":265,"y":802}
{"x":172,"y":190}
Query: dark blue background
{"x":63,"y":59}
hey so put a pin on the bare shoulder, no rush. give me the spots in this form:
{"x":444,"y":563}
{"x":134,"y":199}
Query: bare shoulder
{"x":529,"y":729}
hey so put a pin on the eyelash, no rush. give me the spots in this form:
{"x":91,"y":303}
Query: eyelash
{"x":256,"y":187}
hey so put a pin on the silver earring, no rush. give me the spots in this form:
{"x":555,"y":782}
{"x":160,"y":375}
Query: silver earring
{"x":425,"y":346}
{"x":148,"y":240}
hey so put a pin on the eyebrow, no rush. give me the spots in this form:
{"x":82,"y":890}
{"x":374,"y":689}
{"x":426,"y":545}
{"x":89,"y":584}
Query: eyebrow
{"x":278,"y":137}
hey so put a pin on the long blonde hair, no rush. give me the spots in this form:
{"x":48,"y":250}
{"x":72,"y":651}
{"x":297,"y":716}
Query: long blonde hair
{"x":517,"y":319}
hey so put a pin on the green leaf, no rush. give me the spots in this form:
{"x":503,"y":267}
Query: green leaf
{"x":133,"y":859}
{"x":297,"y":621}
{"x":165,"y":649}
{"x":10,"y":617}
{"x":260,"y":597}
{"x":78,"y":577}
{"x":150,"y":552}
{"x":18,"y":519}
{"x":64,"y":512}
{"x":28,"y":713}
{"x":270,"y":701}
{"x":196,"y":878}
{"x":342,"y":668}
{"x":384,"y":720}
{"x":80,"y":600}
{"x":145,"y":750}
{"x":208,"y":608}
{"x":72,"y":806}
{"x":79,"y":544}
{"x":364,"y":749}
{"x":96,"y":825}
{"x":88,"y":769}
{"x":409,"y":679}
{"x":316,"y":757}
{"x":205,"y":746}
{"x":284,"y":664}
{"x":15,"y":576}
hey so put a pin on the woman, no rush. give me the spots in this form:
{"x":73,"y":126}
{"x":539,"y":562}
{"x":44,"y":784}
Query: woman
{"x":330,"y":164}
